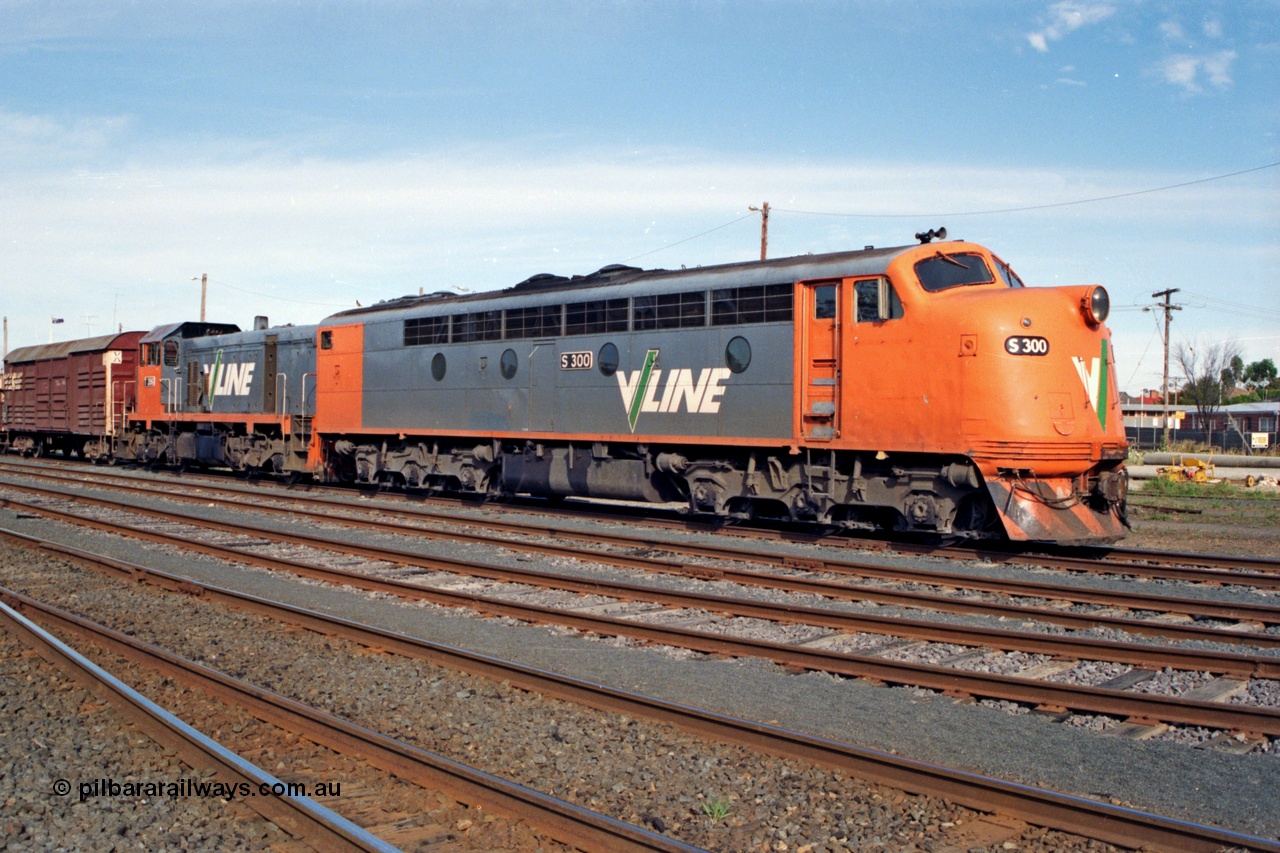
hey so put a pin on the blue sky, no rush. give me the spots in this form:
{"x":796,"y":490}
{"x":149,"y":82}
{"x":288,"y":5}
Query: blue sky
{"x":307,"y":155}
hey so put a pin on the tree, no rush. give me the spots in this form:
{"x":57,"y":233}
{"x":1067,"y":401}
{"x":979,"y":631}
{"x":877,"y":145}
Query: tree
{"x":1260,"y":374}
{"x":1234,"y":374}
{"x":1205,"y":370}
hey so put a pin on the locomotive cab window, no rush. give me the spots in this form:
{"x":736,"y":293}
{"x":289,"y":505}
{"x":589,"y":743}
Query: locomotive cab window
{"x":941,"y":272}
{"x":1010,"y":277}
{"x":171,"y":353}
{"x":875,"y":300}
{"x":824,"y":302}
{"x":326,"y":340}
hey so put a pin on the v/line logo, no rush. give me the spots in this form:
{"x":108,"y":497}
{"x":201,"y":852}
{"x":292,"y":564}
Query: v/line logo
{"x":231,"y":380}
{"x":1094,"y":377}
{"x":639,"y":390}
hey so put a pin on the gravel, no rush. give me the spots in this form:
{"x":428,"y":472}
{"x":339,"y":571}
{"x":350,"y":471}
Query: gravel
{"x":53,"y":729}
{"x":714,"y":796}
{"x":924,"y":725}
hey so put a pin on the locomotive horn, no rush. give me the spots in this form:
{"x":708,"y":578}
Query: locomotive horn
{"x":928,"y":236}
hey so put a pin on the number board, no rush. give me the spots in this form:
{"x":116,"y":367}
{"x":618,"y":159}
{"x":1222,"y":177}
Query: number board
{"x":577,"y":360}
{"x":1026,"y":345}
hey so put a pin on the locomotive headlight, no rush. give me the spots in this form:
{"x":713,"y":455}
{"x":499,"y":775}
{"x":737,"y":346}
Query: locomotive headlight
{"x":1096,"y":305}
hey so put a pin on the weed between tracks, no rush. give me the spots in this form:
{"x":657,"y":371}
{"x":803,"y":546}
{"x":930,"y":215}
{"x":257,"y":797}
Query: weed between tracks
{"x":717,"y":809}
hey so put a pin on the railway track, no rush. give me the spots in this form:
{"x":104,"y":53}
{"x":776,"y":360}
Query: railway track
{"x":570,"y":824}
{"x":1034,"y":686}
{"x":1105,"y":560}
{"x":544,"y":539}
{"x":316,"y":826}
{"x":1123,"y":826}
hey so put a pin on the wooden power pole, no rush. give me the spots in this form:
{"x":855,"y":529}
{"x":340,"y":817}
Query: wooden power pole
{"x":764,"y":229}
{"x":1168,"y":315}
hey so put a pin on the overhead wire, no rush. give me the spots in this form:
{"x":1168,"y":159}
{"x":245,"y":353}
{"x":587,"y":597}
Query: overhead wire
{"x":970,"y":212}
{"x":1138,"y":366}
{"x":1031,"y":207}
{"x":221,"y":282}
{"x":694,"y":237}
{"x":1228,"y":307}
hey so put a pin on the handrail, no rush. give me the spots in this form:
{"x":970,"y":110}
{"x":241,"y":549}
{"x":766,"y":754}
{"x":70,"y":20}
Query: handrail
{"x":302,"y":409}
{"x":282,"y":400}
{"x":169,"y":400}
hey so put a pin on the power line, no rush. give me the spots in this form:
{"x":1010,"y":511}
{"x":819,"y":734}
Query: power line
{"x":223,"y":283}
{"x":687,"y":239}
{"x":1138,"y":366}
{"x":1229,"y":307}
{"x":1029,"y":207}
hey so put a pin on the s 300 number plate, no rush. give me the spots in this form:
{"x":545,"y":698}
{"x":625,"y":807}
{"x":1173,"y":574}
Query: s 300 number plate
{"x":1026,"y":345}
{"x":576,"y":360}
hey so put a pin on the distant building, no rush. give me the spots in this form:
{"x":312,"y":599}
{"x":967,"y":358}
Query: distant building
{"x":1238,"y":427}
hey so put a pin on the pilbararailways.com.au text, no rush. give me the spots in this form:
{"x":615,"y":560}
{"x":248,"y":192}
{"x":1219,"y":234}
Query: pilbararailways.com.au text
{"x":182,"y":788}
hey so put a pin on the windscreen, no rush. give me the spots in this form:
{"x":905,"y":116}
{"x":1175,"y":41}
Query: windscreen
{"x":943,"y":271}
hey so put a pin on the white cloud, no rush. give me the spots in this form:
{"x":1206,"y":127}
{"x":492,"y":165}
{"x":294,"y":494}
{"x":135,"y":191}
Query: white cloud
{"x":41,"y":137}
{"x":1171,"y":30}
{"x":1213,"y":28}
{"x":300,"y":238}
{"x":1067,"y":17}
{"x":1186,"y":70}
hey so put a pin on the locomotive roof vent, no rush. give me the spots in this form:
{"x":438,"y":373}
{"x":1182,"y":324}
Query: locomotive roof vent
{"x":928,"y":236}
{"x":610,"y":271}
{"x":542,"y":279}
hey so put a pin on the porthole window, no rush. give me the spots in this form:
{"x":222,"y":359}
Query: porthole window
{"x":437,"y":366}
{"x":608,"y":359}
{"x":738,"y":354}
{"x":507,"y":364}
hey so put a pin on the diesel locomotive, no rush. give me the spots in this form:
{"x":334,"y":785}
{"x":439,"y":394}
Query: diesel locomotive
{"x":919,"y":388}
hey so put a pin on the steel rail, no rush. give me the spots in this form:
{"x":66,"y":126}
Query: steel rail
{"x":1059,"y":646}
{"x":1171,"y":565}
{"x":1135,"y":654}
{"x":1264,"y":572}
{"x":954,"y":682}
{"x":300,"y":816}
{"x":374,"y":518}
{"x":566,"y":822}
{"x":1103,"y":821}
{"x":1189,"y":607}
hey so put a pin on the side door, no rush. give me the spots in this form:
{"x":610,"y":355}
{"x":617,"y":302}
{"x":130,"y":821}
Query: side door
{"x":821,"y":309}
{"x":543,"y":365}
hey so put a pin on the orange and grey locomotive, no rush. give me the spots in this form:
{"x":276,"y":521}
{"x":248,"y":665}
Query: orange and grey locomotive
{"x":921,"y":388}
